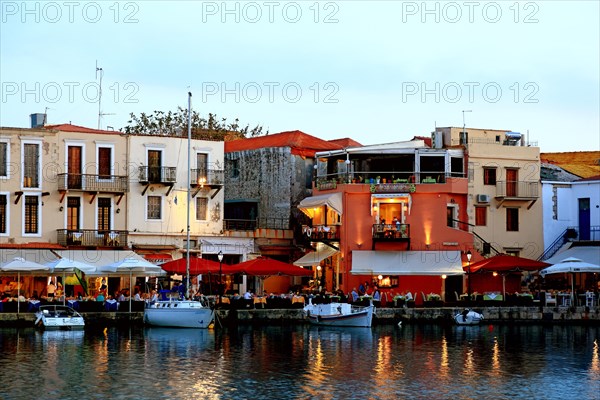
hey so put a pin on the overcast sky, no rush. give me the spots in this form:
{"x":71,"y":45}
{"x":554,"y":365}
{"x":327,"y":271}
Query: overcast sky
{"x":375,"y":71}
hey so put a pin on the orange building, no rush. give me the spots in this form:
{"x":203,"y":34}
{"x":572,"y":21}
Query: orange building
{"x":392,"y":215}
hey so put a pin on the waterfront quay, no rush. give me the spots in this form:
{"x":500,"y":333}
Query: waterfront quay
{"x":440,"y":315}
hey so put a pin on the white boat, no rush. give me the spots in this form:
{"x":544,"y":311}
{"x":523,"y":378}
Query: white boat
{"x":182,"y":313}
{"x":339,"y":314}
{"x":179,"y":314}
{"x":59,"y":317}
{"x":468,"y":317}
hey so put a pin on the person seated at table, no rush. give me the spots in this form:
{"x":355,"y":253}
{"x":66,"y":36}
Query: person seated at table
{"x":341,"y":295}
{"x":408,"y":296}
{"x":121,"y":296}
{"x":35,"y":295}
{"x":376,"y":294}
{"x":136,"y":296}
{"x":354,"y":295}
{"x":153,"y":296}
{"x":100,"y":297}
{"x":361,"y":289}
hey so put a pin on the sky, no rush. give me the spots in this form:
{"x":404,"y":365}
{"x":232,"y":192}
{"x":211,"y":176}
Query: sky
{"x":373,"y":71}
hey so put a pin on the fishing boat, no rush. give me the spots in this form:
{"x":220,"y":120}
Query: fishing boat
{"x":339,"y":314}
{"x":181,"y":312}
{"x":468,"y":317}
{"x":58,"y":317}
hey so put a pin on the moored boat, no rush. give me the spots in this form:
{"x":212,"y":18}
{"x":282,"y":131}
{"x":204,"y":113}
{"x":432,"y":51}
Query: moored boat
{"x":179,"y":314}
{"x":468,"y":317}
{"x":339,"y":314}
{"x":59,"y":317}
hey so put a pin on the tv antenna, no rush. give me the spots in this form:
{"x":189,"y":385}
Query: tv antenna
{"x":100,"y":73}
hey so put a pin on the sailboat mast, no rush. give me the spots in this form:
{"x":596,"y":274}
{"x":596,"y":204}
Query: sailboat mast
{"x":189,"y":149}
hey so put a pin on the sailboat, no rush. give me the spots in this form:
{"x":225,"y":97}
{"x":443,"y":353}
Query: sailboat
{"x":176,"y":312}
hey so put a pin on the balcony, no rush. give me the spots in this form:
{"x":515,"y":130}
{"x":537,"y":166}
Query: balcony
{"x":157,"y":175}
{"x":258,"y":223}
{"x":517,"y":190}
{"x":391,"y":233}
{"x":92,"y":238}
{"x":164,"y":175}
{"x":93,"y":183}
{"x":207,"y":178}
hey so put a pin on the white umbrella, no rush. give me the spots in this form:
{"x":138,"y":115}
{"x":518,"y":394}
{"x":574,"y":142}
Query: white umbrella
{"x":571,"y":265}
{"x":65,"y":265}
{"x":130,"y":265}
{"x":20,"y":266}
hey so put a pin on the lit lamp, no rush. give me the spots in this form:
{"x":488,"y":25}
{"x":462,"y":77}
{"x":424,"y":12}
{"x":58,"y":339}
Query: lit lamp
{"x":469,"y":255}
{"x":319,"y":273}
{"x":220,"y":257}
{"x":380,"y":277}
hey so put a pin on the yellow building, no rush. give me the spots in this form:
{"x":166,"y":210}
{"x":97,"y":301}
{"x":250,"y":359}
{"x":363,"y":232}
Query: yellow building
{"x":504,"y":195}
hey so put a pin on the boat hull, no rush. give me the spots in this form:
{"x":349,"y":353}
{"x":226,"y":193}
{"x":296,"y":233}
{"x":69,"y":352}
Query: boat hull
{"x":468,"y":318}
{"x":339,"y":314}
{"x":59,"y":318}
{"x":179,"y":314}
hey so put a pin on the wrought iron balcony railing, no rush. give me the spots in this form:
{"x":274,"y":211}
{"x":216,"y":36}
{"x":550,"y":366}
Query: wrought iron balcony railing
{"x":157,"y":174}
{"x":93,"y":183}
{"x":391,"y":232}
{"x":517,"y":189}
{"x":92,"y":238}
{"x":208,"y":177}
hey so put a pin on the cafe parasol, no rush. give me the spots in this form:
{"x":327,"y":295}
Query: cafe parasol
{"x":505,"y":264}
{"x":264,"y":267}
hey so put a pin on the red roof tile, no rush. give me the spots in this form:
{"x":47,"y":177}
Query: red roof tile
{"x":77,"y":128}
{"x":346,"y":142}
{"x":301,"y":143}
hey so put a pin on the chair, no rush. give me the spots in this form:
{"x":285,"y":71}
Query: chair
{"x":550,"y":299}
{"x":590,"y":299}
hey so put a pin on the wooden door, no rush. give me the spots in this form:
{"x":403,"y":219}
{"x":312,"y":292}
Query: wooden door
{"x":74,"y":167}
{"x":512,"y":178}
{"x":154,"y":165}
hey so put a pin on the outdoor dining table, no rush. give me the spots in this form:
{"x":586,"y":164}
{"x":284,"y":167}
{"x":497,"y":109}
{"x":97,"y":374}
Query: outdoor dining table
{"x":111,"y":305}
{"x":34,"y":305}
{"x":74,"y":304}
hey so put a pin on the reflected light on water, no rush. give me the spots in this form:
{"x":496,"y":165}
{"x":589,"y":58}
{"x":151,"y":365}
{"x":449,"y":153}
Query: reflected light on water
{"x":595,"y":362}
{"x":444,"y":364}
{"x":496,"y":358}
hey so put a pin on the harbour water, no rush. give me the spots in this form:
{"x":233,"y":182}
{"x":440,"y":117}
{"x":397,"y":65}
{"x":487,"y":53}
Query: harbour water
{"x":303,"y":362}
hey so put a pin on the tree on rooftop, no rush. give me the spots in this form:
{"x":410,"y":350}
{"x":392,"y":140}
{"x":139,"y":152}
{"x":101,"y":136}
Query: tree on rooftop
{"x":171,"y":123}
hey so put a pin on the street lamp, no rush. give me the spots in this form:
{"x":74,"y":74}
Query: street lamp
{"x":469,"y":255}
{"x":220,"y":257}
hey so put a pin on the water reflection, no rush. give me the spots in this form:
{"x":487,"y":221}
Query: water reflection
{"x":298,"y":362}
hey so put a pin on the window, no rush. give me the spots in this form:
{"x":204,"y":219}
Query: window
{"x":201,"y":208}
{"x":73,"y":207}
{"x":489,"y":176}
{"x":32,"y":217}
{"x":451,"y":216}
{"x":104,"y":206}
{"x":155,"y":165}
{"x":512,"y":219}
{"x":4,"y":159}
{"x":235,"y":168}
{"x":104,"y":162}
{"x":153,"y":208}
{"x":3,"y":214}
{"x":480,"y":216}
{"x":31,"y":165}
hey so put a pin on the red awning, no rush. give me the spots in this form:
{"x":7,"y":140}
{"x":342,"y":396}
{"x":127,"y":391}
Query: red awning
{"x":264,"y":266}
{"x":199,"y":266}
{"x":505,"y":263}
